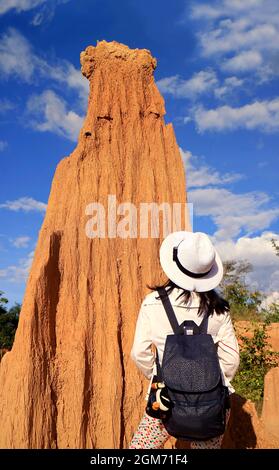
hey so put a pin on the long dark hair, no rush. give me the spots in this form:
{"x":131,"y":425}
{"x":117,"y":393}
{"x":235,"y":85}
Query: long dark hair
{"x":210,"y":301}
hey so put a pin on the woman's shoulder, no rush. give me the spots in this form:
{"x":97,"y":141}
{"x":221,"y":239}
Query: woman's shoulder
{"x":151,"y":298}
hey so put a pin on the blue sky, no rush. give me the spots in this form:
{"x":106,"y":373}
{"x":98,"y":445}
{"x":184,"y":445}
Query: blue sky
{"x":218,"y":67}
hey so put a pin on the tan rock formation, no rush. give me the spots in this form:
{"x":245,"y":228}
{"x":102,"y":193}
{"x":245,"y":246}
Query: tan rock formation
{"x":270,"y":412}
{"x":69,"y":380}
{"x":245,"y":430}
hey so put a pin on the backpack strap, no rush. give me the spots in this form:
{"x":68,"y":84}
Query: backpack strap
{"x":169,"y":310}
{"x":204,"y":325}
{"x":179,"y":329}
{"x":159,"y":374}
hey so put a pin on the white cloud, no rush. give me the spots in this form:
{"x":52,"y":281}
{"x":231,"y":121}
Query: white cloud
{"x":259,"y":252}
{"x":26,"y":204}
{"x":236,"y":29}
{"x":45,"y":8}
{"x":37,"y":19}
{"x":229,"y":84}
{"x":236,"y":35}
{"x":238,"y":219}
{"x":17,"y":59}
{"x":199,"y":174}
{"x":246,"y":60}
{"x":18,"y":5}
{"x":3,"y":145}
{"x":233,"y":213}
{"x":21,"y":242}
{"x":201,"y":82}
{"x":234,"y":8}
{"x":261,"y":115}
{"x":205,"y":81}
{"x":6,"y":105}
{"x":66,"y":73}
{"x":262,"y":163}
{"x":48,"y":112}
{"x":46,"y":12}
{"x":224,"y":8}
{"x":18,"y":273}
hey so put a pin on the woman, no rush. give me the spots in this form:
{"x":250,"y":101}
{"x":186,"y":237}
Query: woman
{"x":194,"y":269}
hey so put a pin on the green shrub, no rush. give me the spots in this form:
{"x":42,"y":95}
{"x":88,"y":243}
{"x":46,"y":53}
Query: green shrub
{"x":272,"y":314}
{"x":8,"y":322}
{"x":244,"y":302}
{"x":256,"y":359}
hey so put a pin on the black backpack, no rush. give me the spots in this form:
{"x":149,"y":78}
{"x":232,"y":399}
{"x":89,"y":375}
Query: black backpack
{"x":191,"y":374}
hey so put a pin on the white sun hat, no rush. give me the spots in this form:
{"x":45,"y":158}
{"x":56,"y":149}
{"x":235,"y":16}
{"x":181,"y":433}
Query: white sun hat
{"x":190,"y":260}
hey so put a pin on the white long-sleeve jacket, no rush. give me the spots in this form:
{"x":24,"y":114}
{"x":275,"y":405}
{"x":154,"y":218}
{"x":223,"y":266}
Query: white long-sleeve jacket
{"x":153,"y":327}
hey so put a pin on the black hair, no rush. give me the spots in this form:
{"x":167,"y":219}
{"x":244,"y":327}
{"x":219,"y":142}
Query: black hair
{"x":210,"y":301}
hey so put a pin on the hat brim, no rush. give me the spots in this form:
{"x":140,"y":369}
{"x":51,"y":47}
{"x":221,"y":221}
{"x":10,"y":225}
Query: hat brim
{"x":202,"y":284}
